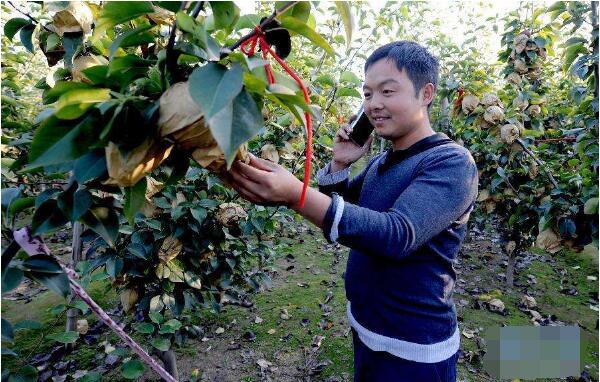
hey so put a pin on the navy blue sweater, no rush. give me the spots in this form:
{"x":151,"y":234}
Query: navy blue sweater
{"x":404,"y":218}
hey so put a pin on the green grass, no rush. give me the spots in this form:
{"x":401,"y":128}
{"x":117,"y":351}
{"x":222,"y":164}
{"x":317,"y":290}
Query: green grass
{"x":303,"y":303}
{"x":32,"y":341}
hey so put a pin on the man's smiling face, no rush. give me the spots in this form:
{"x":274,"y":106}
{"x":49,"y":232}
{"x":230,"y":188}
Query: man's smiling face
{"x":391,"y":102}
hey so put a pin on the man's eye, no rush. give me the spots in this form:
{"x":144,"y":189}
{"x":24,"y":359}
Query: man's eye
{"x":367,"y":95}
{"x":387,"y":91}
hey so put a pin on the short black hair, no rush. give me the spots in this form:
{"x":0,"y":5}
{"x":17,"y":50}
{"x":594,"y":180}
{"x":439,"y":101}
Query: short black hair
{"x":420,"y":65}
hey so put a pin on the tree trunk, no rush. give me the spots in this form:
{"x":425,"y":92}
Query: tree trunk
{"x":76,"y":253}
{"x":170,"y":362}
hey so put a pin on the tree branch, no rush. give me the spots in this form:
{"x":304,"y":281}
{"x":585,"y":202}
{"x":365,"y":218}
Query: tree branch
{"x":277,"y":12}
{"x":539,"y":162}
{"x":171,"y":64}
{"x":35,"y":21}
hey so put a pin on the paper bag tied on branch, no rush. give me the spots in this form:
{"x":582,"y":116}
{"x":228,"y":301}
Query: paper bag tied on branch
{"x":180,"y":122}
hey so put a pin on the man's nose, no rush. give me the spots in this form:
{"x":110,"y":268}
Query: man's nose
{"x":375,"y":103}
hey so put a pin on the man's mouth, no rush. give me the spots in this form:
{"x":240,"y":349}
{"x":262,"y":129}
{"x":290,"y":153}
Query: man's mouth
{"x":379,"y":121}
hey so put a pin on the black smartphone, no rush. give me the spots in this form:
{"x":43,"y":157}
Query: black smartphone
{"x":361,"y":128}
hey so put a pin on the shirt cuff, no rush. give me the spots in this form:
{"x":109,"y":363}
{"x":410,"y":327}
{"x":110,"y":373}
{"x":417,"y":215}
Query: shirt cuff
{"x":332,"y":218}
{"x":325,"y":178}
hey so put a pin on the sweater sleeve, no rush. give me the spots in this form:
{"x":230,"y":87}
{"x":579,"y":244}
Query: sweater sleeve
{"x":443,"y":190}
{"x":339,"y":182}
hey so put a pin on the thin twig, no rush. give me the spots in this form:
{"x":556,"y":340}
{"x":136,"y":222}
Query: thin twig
{"x":334,"y":90}
{"x":539,"y":162}
{"x":170,"y":44}
{"x":569,"y":139}
{"x":33,"y":184}
{"x":199,"y":7}
{"x":276,"y":13}
{"x":34,"y":20}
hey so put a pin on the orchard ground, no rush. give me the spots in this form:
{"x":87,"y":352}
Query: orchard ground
{"x":297,"y":328}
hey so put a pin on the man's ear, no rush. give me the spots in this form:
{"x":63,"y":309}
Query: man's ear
{"x":427,"y":94}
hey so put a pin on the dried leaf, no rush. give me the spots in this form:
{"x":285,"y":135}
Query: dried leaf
{"x":170,"y":249}
{"x":230,"y":214}
{"x":128,"y":299}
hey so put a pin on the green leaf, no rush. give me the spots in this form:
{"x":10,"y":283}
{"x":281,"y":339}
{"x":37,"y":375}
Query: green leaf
{"x":74,"y":205}
{"x":132,"y":369}
{"x":144,"y":328}
{"x":138,"y":250}
{"x":287,"y":98}
{"x":135,"y":197}
{"x":27,"y":324}
{"x":42,"y":264}
{"x":52,"y":145}
{"x":127,"y":68}
{"x":91,"y":376}
{"x":104,"y":221}
{"x":7,"y":331}
{"x":591,"y":206}
{"x":58,"y":283}
{"x":82,"y":306}
{"x":345,"y":12}
{"x":117,"y":12}
{"x":162,"y":344}
{"x":299,"y":27}
{"x":350,"y":77}
{"x":73,"y":104}
{"x":558,"y":6}
{"x":156,"y":317}
{"x":247,"y":22}
{"x":199,"y":214}
{"x":301,"y":10}
{"x":571,"y":54}
{"x":192,"y":280}
{"x":114,"y":266}
{"x":90,"y":166}
{"x":348,"y":92}
{"x":8,"y":196}
{"x":213,"y":87}
{"x":67,"y":337}
{"x":236,"y":124}
{"x":52,"y":42}
{"x":186,"y":22}
{"x":12,"y":26}
{"x":20,"y":205}
{"x":325,"y":79}
{"x":61,"y":87}
{"x":170,"y":326}
{"x":172,"y":6}
{"x":225,"y":14}
{"x":47,"y":217}
{"x":25,"y":34}
{"x":131,"y":37}
{"x":27,"y":373}
{"x":11,"y":278}
{"x":72,"y":42}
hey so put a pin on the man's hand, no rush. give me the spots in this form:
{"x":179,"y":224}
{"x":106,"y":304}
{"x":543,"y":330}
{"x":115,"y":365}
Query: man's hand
{"x":266,"y":183}
{"x":346,"y":152}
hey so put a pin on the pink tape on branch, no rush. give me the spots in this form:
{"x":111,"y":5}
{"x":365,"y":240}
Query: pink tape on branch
{"x":35,"y":246}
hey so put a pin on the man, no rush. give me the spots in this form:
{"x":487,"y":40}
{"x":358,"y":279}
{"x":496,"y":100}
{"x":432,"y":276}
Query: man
{"x":404,"y":218}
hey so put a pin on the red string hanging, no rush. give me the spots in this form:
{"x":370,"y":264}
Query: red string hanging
{"x":259,"y":38}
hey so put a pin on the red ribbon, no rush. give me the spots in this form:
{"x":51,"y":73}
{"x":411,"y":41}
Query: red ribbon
{"x":259,"y":37}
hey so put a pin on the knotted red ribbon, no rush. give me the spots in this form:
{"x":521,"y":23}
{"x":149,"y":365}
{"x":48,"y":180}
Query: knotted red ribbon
{"x":259,"y":38}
